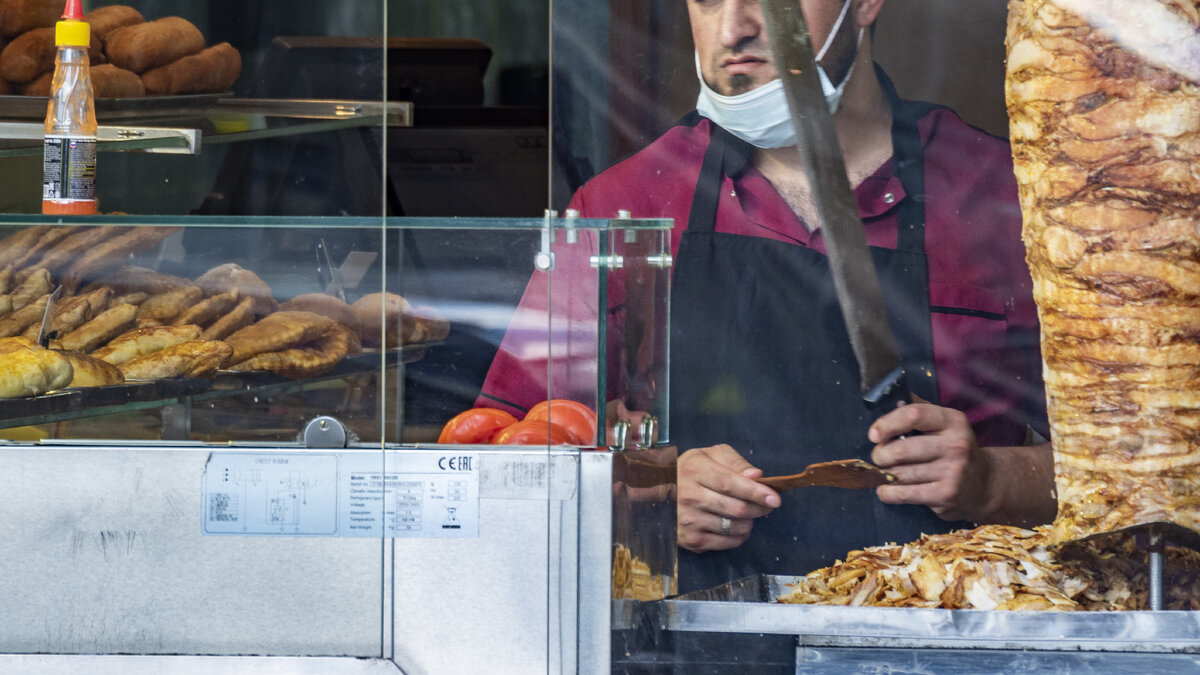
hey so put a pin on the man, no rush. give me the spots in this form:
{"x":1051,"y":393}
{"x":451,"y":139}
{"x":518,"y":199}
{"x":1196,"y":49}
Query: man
{"x":763,"y":380}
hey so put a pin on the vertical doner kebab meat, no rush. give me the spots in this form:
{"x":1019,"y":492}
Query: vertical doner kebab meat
{"x":1105,"y":126}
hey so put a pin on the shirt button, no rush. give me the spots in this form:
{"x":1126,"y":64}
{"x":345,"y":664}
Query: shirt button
{"x":733,"y":193}
{"x":889,"y":198}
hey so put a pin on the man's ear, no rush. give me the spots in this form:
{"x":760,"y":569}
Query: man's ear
{"x":866,"y":11}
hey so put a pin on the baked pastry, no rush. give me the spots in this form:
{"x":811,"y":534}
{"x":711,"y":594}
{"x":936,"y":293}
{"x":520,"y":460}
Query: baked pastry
{"x":323,"y":304}
{"x":228,"y":277}
{"x":166,"y":306}
{"x":195,"y":358}
{"x":130,"y":279}
{"x":142,"y":46}
{"x":71,"y":247}
{"x":281,"y":330}
{"x":89,"y":371}
{"x":141,"y":341}
{"x":240,"y":316}
{"x":104,"y":20}
{"x":204,"y":312}
{"x":77,"y":310}
{"x":19,"y":16}
{"x":16,"y":244}
{"x":310,"y":360}
{"x":15,"y":322}
{"x":106,"y":326}
{"x":212,"y":70}
{"x":1105,"y":137}
{"x":46,"y":239}
{"x":112,"y":252}
{"x":378,"y":317}
{"x":28,"y":370}
{"x":34,"y":286}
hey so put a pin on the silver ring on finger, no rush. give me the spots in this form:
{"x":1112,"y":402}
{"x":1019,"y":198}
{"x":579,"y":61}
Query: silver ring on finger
{"x":726,"y":526}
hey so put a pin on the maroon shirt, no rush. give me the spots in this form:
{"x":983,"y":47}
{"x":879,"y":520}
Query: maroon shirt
{"x":984,"y":321}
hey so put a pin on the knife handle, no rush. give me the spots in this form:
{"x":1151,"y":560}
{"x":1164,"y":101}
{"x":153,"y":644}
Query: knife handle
{"x":890,"y":393}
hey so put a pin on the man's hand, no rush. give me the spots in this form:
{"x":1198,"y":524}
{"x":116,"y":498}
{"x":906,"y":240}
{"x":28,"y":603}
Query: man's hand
{"x":717,"y":483}
{"x":941,"y":467}
{"x":944,"y":468}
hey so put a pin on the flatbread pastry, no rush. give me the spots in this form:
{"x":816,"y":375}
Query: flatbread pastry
{"x":89,"y":371}
{"x":141,"y":341}
{"x":195,"y":358}
{"x":28,"y":370}
{"x":281,"y":330}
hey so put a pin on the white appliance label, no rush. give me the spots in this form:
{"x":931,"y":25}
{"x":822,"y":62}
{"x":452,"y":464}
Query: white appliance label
{"x":357,"y":494}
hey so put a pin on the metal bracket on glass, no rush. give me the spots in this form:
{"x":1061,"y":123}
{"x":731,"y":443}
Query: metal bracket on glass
{"x":153,"y":139}
{"x":630,"y":235}
{"x":145,"y":139}
{"x":648,"y":431}
{"x":569,"y":225}
{"x":1156,"y":548}
{"x":661,"y":261}
{"x":543,"y":260}
{"x":620,"y":436}
{"x":325,"y":432}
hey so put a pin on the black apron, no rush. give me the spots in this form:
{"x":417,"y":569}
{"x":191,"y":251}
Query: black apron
{"x":761,"y":360}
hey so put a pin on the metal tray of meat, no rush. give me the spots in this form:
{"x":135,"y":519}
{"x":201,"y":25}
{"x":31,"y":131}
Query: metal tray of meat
{"x":750,"y":605}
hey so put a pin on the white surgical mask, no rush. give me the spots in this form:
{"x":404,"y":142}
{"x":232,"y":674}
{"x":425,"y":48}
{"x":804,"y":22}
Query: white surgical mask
{"x":760,"y":116}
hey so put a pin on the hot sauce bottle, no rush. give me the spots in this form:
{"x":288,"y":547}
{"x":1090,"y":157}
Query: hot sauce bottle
{"x":69,"y":149}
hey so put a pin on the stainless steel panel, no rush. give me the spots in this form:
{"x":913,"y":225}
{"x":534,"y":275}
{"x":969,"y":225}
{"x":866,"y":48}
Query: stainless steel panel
{"x":967,"y":662}
{"x":746,"y":606}
{"x":62,"y":664}
{"x":103,"y":553}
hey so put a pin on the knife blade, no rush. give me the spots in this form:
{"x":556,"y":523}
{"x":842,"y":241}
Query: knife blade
{"x":855,"y":280}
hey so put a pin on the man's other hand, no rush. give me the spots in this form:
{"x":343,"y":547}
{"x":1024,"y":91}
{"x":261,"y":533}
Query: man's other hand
{"x":719,"y":499}
{"x":941,"y":467}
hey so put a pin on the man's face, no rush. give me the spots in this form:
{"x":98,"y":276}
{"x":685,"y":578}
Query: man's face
{"x":735,"y":51}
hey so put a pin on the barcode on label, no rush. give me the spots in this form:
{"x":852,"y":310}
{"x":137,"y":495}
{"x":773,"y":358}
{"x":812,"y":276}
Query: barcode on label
{"x":222,"y":508}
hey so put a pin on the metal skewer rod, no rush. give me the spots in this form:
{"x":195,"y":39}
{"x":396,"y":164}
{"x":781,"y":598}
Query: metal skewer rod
{"x":1156,"y":568}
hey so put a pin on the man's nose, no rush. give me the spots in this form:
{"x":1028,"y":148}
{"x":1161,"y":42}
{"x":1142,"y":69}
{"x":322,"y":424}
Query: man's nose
{"x":740,"y":20}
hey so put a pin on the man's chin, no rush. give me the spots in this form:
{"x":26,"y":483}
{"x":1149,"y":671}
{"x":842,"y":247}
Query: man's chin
{"x":740,"y":84}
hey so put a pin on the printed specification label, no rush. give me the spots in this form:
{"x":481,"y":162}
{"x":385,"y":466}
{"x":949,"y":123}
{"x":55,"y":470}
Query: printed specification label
{"x":397,"y":494}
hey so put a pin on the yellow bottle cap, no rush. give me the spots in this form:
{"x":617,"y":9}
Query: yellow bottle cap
{"x":72,"y":33}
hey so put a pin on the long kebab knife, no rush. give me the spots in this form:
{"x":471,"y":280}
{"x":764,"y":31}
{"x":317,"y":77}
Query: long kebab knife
{"x":854,"y":277}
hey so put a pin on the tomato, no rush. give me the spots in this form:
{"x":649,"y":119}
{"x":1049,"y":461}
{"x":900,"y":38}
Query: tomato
{"x":577,"y":418}
{"x":533,"y":432}
{"x":477,"y":425}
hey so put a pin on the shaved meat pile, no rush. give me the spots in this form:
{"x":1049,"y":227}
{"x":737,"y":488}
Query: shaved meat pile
{"x":999,"y":567}
{"x":1105,"y":128}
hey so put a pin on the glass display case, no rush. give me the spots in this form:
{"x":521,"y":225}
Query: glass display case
{"x":454,"y":337}
{"x":361,"y":212}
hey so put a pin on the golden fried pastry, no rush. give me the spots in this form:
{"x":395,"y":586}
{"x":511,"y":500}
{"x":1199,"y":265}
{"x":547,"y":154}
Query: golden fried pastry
{"x":240,"y":316}
{"x":15,"y":322}
{"x":162,"y":308}
{"x":311,"y":360}
{"x":323,"y":304}
{"x":77,"y":310}
{"x":141,"y":341}
{"x":135,"y":298}
{"x":130,"y":279}
{"x":114,"y":251}
{"x":34,"y":286}
{"x":107,"y":325}
{"x":195,"y":358}
{"x":227,"y":277}
{"x":207,"y":310}
{"x":89,"y":371}
{"x":28,"y":370}
{"x":281,"y":330}
{"x":1105,"y":138}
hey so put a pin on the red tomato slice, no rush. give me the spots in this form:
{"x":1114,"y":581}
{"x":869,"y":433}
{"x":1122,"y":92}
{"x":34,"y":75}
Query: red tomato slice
{"x":533,"y":432}
{"x":577,"y":418}
{"x":477,"y":425}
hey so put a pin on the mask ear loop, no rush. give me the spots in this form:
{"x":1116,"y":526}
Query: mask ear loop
{"x":837,"y":26}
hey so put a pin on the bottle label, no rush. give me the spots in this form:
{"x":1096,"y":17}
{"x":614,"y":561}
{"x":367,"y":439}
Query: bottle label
{"x":69,"y":168}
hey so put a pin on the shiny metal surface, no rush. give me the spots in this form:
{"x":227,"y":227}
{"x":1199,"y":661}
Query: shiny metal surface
{"x":746,"y":606}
